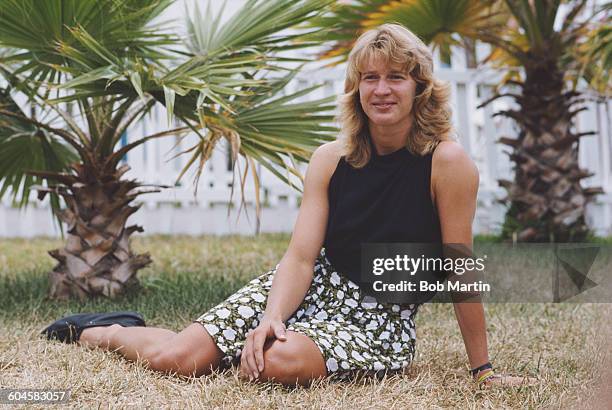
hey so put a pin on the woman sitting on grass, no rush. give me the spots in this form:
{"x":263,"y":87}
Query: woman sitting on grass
{"x":394,"y":176}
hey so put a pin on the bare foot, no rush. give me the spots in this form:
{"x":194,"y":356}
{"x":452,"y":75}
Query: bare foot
{"x":98,"y":336}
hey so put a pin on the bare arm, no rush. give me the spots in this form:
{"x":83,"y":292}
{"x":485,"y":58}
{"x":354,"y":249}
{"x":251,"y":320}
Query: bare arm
{"x":295,"y":272}
{"x":455,"y":185}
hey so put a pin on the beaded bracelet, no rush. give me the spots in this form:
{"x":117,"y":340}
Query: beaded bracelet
{"x":486,"y":375}
{"x":485,"y":366}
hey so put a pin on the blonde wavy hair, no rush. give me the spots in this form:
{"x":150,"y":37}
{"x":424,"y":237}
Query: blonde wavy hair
{"x":431,"y":111}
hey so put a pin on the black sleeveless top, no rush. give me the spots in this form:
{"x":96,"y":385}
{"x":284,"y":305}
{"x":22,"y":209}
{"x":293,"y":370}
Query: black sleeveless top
{"x":388,"y":200}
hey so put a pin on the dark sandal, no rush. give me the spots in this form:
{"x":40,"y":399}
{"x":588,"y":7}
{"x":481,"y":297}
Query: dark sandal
{"x":69,"y":328}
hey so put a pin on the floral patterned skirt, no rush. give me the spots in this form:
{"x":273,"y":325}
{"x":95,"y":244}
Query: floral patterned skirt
{"x":355,"y":334}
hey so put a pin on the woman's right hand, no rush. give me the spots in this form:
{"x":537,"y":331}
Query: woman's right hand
{"x":252,"y":358}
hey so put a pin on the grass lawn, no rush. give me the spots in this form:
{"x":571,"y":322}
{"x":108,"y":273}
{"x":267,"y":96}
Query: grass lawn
{"x":564,"y":345}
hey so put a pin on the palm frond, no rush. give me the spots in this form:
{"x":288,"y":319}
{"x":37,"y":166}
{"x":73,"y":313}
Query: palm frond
{"x":43,"y":28}
{"x":25,"y":147}
{"x":258,"y":26}
{"x":271,"y":127}
{"x":438,"y":22}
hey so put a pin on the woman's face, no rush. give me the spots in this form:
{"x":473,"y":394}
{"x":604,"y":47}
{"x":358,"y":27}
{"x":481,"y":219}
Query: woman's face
{"x":386,"y":93}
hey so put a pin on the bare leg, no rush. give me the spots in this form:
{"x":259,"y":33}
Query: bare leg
{"x":192,"y":352}
{"x":128,"y":341}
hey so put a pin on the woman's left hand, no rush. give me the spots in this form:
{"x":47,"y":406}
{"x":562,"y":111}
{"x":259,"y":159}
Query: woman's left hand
{"x":506,"y":380}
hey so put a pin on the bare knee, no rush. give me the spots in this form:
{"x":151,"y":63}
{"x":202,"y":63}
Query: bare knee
{"x":191,"y":353}
{"x":294,"y":361}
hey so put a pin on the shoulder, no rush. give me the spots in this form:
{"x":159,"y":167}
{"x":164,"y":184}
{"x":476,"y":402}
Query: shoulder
{"x":452,"y":168}
{"x":450,"y":157}
{"x":330,"y":150}
{"x":448,"y":152}
{"x":325,"y":158}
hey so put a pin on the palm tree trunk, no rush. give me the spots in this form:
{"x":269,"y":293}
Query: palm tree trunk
{"x":547,"y":201}
{"x":97,"y":258}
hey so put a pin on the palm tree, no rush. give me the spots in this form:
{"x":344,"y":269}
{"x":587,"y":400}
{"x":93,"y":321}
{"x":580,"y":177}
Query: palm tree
{"x":75,"y":74}
{"x":541,"y":58}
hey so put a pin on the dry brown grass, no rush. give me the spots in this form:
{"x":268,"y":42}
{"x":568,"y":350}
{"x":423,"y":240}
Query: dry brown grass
{"x":564,"y":345}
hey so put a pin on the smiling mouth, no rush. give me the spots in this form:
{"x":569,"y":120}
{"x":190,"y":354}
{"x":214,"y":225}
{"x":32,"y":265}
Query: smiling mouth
{"x":383,"y":105}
